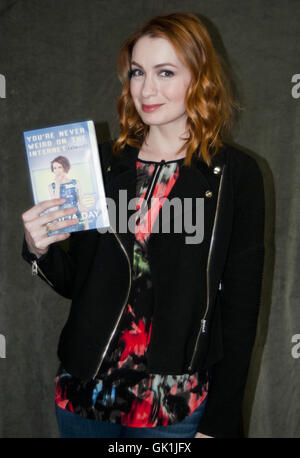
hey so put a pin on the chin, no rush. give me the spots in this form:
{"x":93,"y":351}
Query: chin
{"x":151,"y":119}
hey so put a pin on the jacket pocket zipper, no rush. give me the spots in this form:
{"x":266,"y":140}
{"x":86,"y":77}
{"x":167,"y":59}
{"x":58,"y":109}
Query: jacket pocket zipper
{"x":122,"y":310}
{"x":202,"y":329}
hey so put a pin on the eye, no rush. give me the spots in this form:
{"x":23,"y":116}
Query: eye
{"x":134,"y":72}
{"x":167,"y":73}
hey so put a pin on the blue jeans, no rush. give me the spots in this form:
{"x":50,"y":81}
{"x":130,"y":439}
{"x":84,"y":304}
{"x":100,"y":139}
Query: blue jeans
{"x":73,"y":425}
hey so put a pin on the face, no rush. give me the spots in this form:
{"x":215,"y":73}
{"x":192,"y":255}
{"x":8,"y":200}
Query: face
{"x":159,"y":81}
{"x":57,"y":169}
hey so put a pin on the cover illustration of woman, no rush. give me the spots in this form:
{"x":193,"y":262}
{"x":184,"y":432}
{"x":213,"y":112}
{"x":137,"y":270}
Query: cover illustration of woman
{"x":64,"y":187}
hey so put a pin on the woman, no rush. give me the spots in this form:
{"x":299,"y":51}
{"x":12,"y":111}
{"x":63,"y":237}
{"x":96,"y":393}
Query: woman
{"x":161,"y":327}
{"x":67,"y":188}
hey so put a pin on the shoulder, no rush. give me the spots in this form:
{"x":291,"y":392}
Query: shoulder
{"x":244,"y":176}
{"x":236,"y":157}
{"x":105,"y":149}
{"x":107,"y":157}
{"x":241,"y":165}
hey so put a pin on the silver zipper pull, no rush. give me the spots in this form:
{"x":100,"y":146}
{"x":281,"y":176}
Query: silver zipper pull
{"x":203,"y":326}
{"x":34,"y":268}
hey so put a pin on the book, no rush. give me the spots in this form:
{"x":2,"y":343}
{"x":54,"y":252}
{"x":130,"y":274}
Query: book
{"x":64,"y":163}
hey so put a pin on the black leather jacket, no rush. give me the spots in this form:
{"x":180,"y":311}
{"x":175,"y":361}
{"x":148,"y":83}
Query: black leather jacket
{"x":206,"y":295}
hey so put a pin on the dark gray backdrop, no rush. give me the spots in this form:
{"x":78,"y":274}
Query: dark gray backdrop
{"x":58,"y":59}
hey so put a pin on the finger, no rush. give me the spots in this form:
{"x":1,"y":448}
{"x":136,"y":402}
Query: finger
{"x":37,"y":209}
{"x":56,"y":214}
{"x":42,"y":230}
{"x":45,"y":241}
{"x":56,"y":226}
{"x":35,"y":224}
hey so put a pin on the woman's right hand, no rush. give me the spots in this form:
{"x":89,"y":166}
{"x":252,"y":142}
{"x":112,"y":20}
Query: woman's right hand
{"x":35,"y":225}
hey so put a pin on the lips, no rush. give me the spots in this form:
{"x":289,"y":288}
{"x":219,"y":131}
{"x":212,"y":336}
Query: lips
{"x":149,"y":108}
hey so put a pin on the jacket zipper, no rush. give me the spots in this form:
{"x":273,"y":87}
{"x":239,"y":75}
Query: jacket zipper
{"x":122,"y":310}
{"x":202,"y":329}
{"x":149,"y":193}
{"x":35,"y":269}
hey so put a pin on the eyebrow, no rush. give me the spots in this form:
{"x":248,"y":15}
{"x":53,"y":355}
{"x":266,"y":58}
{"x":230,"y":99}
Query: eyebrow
{"x":155,"y":66}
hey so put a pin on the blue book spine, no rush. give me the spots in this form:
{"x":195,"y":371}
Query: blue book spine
{"x":64,"y":163}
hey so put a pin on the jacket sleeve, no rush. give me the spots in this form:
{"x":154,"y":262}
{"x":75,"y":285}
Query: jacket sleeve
{"x":58,"y":266}
{"x":239,"y":301}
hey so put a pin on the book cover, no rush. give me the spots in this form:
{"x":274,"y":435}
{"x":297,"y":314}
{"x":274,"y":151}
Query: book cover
{"x":64,"y":163}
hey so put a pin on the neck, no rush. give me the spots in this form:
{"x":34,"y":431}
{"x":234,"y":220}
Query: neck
{"x":162,"y":142}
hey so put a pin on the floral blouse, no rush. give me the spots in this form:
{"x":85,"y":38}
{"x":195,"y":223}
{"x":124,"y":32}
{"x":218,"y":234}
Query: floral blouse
{"x":123,"y":392}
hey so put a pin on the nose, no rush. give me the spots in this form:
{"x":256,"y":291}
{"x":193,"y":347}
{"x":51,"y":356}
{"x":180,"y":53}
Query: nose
{"x":149,"y":86}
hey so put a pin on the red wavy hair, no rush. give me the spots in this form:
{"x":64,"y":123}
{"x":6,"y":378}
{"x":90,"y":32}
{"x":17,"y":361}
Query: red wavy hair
{"x":209,"y":98}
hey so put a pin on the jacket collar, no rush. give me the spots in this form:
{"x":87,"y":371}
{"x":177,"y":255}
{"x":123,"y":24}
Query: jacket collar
{"x":191,"y":181}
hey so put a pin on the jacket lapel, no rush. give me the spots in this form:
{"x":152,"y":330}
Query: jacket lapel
{"x":121,"y":188}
